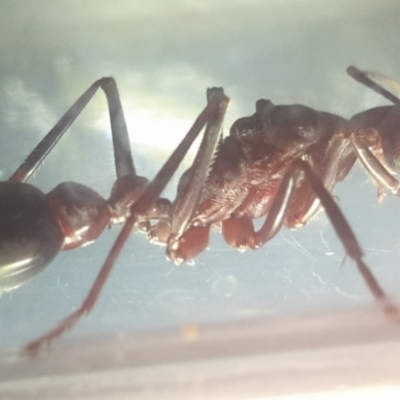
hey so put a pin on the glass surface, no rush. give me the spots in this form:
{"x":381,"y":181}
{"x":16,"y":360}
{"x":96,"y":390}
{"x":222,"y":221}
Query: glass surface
{"x":164,"y":55}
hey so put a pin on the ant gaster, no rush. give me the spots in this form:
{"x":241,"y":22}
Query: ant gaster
{"x":281,"y":163}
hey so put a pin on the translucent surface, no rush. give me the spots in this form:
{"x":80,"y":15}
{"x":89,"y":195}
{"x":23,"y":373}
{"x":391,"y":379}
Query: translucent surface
{"x":164,"y":55}
{"x":319,"y":357}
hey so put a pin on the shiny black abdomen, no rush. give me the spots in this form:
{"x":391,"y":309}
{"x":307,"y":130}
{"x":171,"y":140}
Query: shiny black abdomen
{"x":29,"y":235}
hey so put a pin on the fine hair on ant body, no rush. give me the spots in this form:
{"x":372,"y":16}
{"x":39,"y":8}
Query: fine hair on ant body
{"x":282,"y":163}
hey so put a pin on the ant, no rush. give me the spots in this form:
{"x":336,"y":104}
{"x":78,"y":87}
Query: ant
{"x":281,"y":163}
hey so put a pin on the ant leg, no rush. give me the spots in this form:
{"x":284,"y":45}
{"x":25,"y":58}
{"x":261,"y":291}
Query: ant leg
{"x":240,"y":233}
{"x":304,"y":204}
{"x":122,"y":152}
{"x":383,"y":132}
{"x":346,"y":236}
{"x":364,"y":77}
{"x":211,"y":115}
{"x":187,"y":199}
{"x":375,"y":168}
{"x":278,"y":211}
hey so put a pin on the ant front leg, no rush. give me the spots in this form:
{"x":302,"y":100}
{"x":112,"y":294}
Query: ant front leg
{"x":212,"y":115}
{"x":376,"y":136}
{"x":374,"y":166}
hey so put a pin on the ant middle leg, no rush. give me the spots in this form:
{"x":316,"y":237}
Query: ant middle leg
{"x":296,"y":172}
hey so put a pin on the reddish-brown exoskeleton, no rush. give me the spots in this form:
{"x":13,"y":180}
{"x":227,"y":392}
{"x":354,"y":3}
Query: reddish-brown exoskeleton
{"x":281,"y":163}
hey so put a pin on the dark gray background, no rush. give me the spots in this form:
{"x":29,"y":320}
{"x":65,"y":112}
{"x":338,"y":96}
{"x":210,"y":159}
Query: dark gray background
{"x":164,"y":55}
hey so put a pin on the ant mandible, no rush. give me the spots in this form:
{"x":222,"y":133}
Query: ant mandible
{"x":282,"y":162}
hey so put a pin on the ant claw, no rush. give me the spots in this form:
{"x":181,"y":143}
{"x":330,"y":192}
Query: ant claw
{"x":392,"y":311}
